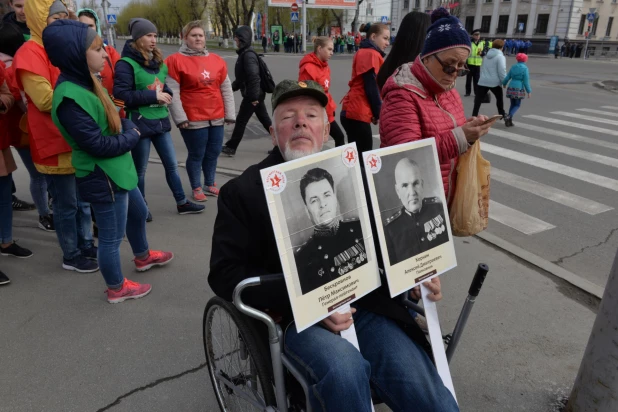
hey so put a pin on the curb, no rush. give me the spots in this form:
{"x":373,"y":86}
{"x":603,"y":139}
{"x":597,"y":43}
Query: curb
{"x":543,"y":264}
{"x":500,"y":243}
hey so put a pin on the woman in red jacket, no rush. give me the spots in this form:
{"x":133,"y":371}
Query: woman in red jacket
{"x":203,"y":102}
{"x":314,"y":66}
{"x":361,"y":106}
{"x":420,"y":100}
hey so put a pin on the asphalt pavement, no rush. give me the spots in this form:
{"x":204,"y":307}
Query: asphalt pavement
{"x":63,"y":348}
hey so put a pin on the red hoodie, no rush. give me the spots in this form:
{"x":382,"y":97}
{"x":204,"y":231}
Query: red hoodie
{"x":313,"y":68}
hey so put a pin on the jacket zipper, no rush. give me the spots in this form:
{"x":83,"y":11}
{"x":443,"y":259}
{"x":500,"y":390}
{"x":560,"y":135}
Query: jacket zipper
{"x":110,"y":188}
{"x":450,"y":173}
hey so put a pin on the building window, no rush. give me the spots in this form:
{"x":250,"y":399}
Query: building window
{"x":541,"y":23}
{"x":582,"y":24}
{"x":406,"y":4}
{"x":469,"y":24}
{"x":608,"y":31}
{"x":417,"y":4}
{"x":503,"y":23}
{"x":485,"y":23}
{"x":593,"y":32}
{"x":522,"y":21}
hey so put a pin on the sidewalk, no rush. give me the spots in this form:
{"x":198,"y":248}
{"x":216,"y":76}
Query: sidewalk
{"x":64,"y":348}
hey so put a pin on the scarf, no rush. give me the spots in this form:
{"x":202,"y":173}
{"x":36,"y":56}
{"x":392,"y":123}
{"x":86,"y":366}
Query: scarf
{"x":184,"y":49}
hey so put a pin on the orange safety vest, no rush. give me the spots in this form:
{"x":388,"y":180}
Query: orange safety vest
{"x":355,"y":103}
{"x":200,"y":79}
{"x":46,"y":142}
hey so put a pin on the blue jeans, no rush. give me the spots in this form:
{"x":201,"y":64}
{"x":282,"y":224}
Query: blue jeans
{"x":126,"y":214}
{"x":72,"y":218}
{"x":204,"y":147}
{"x":6,"y":209}
{"x":391,"y":363}
{"x":515,"y":104}
{"x":38,"y":182}
{"x":165,"y":149}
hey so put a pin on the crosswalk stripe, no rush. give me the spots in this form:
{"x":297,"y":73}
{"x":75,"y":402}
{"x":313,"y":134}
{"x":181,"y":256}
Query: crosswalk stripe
{"x":572,"y":124}
{"x":566,"y":135}
{"x":590,"y":118}
{"x":517,"y":220}
{"x":582,"y":154}
{"x":612,"y":114}
{"x":548,"y":192}
{"x":578,"y":174}
{"x":610,"y":107}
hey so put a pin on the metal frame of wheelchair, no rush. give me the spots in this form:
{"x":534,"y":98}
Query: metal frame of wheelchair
{"x":242,"y":375}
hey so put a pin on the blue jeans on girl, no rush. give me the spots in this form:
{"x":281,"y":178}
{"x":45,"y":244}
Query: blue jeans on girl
{"x":391,"y":363}
{"x":204,"y":147}
{"x":72,"y":217}
{"x":6,"y":209}
{"x":165,"y":149}
{"x":515,"y":104}
{"x":38,"y":183}
{"x":126,"y":214}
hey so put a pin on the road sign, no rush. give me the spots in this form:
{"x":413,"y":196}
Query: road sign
{"x":294,"y":7}
{"x":294,"y":16}
{"x":591,"y":16}
{"x":111,"y":19}
{"x":384,"y":19}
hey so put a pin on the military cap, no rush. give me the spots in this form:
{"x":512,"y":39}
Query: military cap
{"x":286,"y":89}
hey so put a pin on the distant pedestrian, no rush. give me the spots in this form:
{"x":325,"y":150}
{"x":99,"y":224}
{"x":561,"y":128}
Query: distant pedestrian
{"x":556,"y":51}
{"x":563,"y":50}
{"x":264,"y":44}
{"x":572,"y":50}
{"x":517,"y":84}
{"x":493,"y":72}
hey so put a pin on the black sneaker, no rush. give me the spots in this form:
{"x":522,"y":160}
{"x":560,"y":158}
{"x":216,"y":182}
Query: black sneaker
{"x":47,"y":223}
{"x":22,"y":205}
{"x":226,"y":150}
{"x":189,"y":208}
{"x":4,"y":279}
{"x":15,"y":250}
{"x":149,"y":217}
{"x":80,"y":264}
{"x":90,"y":253}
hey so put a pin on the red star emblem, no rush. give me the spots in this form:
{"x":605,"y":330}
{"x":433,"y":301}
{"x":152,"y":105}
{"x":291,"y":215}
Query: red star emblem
{"x":275,"y":181}
{"x":349,"y":156}
{"x":157,"y":86}
{"x":373,"y":162}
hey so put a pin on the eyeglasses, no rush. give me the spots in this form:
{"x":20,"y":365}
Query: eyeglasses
{"x":452,"y":69}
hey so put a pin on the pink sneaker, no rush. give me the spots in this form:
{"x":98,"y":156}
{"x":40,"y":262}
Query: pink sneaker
{"x":154,"y":258}
{"x":198,"y":195}
{"x":129,"y":290}
{"x":212,"y":190}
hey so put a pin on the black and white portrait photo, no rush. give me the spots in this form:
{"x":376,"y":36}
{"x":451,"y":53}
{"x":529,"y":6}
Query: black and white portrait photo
{"x":325,"y":230}
{"x":409,"y":196}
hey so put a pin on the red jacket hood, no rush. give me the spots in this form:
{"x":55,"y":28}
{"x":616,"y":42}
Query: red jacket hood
{"x":414,"y":77}
{"x":311,"y":58}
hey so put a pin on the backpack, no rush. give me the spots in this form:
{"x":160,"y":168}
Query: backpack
{"x":267,"y":83}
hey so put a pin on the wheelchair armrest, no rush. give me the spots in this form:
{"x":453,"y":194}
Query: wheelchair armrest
{"x":273,"y":335}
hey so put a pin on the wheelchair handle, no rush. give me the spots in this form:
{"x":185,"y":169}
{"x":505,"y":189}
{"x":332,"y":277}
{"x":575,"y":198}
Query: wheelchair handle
{"x":271,"y":278}
{"x":479,"y":278}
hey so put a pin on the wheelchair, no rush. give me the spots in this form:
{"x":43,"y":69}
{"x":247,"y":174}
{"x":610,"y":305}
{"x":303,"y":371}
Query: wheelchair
{"x":249,"y":374}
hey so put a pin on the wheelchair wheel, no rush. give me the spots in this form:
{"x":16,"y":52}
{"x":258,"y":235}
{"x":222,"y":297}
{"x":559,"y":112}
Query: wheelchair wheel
{"x":239,"y":371}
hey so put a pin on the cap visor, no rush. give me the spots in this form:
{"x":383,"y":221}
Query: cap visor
{"x":305,"y":91}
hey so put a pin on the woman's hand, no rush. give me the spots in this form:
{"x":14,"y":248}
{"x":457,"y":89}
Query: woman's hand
{"x":475,"y":127}
{"x":183,"y":125}
{"x":374,"y":120}
{"x":164,"y":98}
{"x":433,"y":285}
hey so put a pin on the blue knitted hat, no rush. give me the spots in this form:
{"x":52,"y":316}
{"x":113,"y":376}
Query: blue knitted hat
{"x":446,"y":32}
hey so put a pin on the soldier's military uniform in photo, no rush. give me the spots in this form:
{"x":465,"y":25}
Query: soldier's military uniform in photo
{"x":409,"y":234}
{"x":329,"y":253}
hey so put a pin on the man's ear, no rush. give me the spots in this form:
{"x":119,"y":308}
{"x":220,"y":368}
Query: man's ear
{"x":326,"y":132}
{"x":273,"y":136}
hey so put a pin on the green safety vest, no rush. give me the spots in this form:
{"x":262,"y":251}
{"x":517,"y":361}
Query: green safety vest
{"x":120,"y":169}
{"x":475,"y":58}
{"x":145,"y":80}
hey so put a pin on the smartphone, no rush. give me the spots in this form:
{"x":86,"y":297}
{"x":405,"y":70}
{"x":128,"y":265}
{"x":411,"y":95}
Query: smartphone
{"x":491,"y":119}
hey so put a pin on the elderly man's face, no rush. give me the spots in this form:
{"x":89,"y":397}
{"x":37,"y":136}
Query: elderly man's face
{"x":409,"y":186}
{"x":321,"y":202}
{"x":300,"y":127}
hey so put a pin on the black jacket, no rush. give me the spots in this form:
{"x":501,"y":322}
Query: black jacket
{"x":244,"y":245}
{"x":247,"y":69}
{"x":10,"y":18}
{"x":124,"y":89}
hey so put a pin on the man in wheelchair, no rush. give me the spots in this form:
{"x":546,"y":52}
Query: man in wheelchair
{"x":394,"y":358}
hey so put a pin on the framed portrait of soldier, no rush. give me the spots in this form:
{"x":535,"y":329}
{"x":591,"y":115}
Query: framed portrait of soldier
{"x":320,"y":218}
{"x":410,"y":211}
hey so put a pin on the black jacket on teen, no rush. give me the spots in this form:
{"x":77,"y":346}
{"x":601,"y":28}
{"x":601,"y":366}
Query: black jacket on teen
{"x":247,"y":69}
